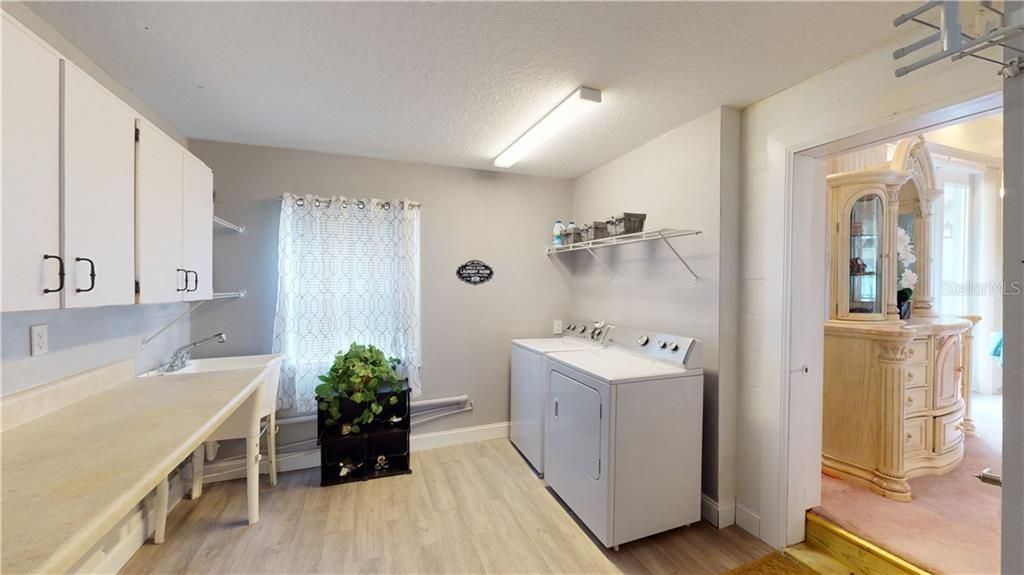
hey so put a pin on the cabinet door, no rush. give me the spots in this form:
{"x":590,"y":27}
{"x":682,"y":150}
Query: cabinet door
{"x":98,"y":195}
{"x":197,"y":228}
{"x":158,"y":200}
{"x":948,"y":360}
{"x":31,"y":171}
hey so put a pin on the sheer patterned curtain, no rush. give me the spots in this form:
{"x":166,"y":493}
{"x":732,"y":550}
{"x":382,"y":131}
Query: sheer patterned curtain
{"x":348,"y":271}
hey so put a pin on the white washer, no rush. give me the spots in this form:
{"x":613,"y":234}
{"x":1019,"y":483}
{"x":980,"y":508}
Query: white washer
{"x":623,"y":433}
{"x":528,"y":394}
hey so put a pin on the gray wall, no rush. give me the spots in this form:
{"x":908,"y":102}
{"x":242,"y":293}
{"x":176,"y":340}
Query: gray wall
{"x":686,"y":178}
{"x":502,"y":219}
{"x":1013,"y":314}
{"x":84,"y":339}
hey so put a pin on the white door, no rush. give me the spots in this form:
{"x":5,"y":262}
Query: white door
{"x":807,"y":314}
{"x":98,"y":195}
{"x":31,"y":172}
{"x":575,"y":425}
{"x":158,"y":203}
{"x":197,"y":229}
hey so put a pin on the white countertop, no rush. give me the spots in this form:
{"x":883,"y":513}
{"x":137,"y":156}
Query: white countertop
{"x":69,"y":476}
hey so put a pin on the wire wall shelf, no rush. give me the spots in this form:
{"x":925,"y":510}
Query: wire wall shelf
{"x":660,"y":234}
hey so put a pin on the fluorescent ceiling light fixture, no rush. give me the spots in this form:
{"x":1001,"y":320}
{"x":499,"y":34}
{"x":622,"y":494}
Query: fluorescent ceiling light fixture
{"x":579,"y":102}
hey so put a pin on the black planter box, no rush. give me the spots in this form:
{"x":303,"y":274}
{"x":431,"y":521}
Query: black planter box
{"x":380,"y":449}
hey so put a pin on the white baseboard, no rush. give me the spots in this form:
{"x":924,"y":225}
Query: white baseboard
{"x":748,"y":520}
{"x":720,"y":516}
{"x":215,"y":471}
{"x":112,"y":553}
{"x":422,"y":441}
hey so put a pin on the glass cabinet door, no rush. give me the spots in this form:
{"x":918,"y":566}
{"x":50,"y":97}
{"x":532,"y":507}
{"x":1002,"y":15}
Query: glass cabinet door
{"x":866,"y":224}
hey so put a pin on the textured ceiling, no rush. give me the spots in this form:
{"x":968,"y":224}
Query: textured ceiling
{"x":455,"y":83}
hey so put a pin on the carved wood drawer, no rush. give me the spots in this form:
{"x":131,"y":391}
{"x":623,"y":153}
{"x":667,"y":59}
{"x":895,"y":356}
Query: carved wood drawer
{"x":947,"y":431}
{"x":917,"y":376}
{"x":915,"y":435}
{"x":915,"y":400}
{"x":918,"y":353}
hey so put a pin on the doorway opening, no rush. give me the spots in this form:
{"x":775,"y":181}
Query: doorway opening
{"x":913,"y":345}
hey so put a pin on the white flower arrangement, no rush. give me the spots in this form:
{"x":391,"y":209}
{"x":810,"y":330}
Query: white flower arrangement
{"x":905,"y":254}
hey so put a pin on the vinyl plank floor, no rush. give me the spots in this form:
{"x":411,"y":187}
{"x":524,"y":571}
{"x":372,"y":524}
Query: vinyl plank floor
{"x":475,"y":508}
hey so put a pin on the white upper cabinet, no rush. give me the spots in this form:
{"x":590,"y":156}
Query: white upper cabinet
{"x":197,"y":229}
{"x":31,"y":172}
{"x":98,"y":194}
{"x":159,"y":180}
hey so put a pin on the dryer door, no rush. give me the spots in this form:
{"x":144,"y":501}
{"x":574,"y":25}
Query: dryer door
{"x":575,"y":425}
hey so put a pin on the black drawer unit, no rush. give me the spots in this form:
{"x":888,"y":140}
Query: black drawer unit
{"x":380,"y":449}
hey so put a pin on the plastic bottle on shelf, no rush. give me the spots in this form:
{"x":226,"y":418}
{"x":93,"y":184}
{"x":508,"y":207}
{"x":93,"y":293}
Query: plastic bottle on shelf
{"x":556,"y":233}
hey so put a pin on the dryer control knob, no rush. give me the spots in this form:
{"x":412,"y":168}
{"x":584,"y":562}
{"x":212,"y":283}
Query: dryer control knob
{"x":582,"y":329}
{"x":597,"y":333}
{"x":674,"y":346}
{"x":663,"y":344}
{"x":644,"y":340}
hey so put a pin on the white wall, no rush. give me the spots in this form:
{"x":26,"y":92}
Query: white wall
{"x":686,"y":178}
{"x":855,"y":97}
{"x":982,"y":136}
{"x":503,"y":219}
{"x":84,"y":339}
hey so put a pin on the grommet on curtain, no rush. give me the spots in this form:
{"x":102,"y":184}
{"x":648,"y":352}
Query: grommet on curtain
{"x":344,"y":203}
{"x":361,"y":204}
{"x":387,"y":206}
{"x":300,"y":202}
{"x":401,"y":205}
{"x":316,"y":202}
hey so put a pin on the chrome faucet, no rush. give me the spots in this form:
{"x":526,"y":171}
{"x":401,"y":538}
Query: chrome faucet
{"x":181,"y":355}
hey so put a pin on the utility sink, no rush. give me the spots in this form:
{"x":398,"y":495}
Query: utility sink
{"x":220,"y":364}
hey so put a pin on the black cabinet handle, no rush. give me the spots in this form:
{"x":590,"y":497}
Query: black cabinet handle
{"x":186,"y":280}
{"x":194,"y":286}
{"x":92,"y":275}
{"x":60,"y":273}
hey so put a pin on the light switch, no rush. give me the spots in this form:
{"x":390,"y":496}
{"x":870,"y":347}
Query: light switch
{"x":38,"y":339}
{"x":557,"y":327}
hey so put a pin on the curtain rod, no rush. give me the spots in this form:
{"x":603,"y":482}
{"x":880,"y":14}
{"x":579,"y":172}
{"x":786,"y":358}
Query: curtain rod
{"x":323,"y":199}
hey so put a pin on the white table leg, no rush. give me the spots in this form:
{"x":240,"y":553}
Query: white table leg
{"x":162,"y":492}
{"x":252,"y":475}
{"x":272,"y":447}
{"x":198,"y":460}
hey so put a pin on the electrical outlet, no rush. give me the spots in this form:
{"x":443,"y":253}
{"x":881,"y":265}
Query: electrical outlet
{"x":38,"y":339}
{"x":557,"y":327}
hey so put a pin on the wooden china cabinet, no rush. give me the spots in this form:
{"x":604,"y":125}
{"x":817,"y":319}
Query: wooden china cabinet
{"x":893,"y":396}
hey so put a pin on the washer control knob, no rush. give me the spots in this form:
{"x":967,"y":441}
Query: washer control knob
{"x":674,"y":346}
{"x":644,"y":340}
{"x":663,"y":344}
{"x":572,"y":326}
{"x":597,"y":333}
{"x":582,"y":329}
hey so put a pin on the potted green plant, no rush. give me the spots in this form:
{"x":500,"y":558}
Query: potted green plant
{"x":359,"y":375}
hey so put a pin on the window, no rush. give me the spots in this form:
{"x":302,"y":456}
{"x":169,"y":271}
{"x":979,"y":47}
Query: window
{"x":954,"y":247}
{"x":348,"y":271}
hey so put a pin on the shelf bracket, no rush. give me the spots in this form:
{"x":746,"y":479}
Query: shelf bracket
{"x":680,"y":258}
{"x":598,"y":260}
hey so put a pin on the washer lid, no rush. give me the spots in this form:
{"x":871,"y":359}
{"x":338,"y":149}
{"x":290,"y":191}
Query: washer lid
{"x":612,"y":366}
{"x":552,"y":344}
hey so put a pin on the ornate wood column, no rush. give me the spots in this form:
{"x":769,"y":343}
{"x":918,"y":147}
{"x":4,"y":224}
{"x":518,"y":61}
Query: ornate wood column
{"x":892,"y":218}
{"x":966,"y":376}
{"x":924,"y":293}
{"x":890,"y":475}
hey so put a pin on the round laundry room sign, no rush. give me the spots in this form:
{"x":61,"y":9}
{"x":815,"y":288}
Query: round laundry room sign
{"x":474,"y":272}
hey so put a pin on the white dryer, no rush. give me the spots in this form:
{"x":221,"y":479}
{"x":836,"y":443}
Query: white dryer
{"x":528,"y":394}
{"x":623,"y":433}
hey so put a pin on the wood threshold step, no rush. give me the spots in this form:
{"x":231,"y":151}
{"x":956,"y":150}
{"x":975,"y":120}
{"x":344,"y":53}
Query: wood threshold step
{"x":856,"y":554}
{"x":817,"y":560}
